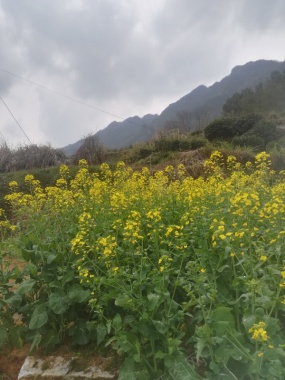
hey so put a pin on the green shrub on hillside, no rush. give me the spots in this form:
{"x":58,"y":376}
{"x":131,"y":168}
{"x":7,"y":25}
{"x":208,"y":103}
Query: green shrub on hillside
{"x":220,"y":129}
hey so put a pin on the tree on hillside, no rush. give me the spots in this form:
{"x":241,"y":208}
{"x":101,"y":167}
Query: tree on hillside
{"x":91,"y":150}
{"x":266,"y":98}
{"x":183,"y":122}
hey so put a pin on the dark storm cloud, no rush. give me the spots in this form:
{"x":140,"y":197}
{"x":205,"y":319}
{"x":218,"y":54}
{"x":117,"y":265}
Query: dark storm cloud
{"x":128,"y":54}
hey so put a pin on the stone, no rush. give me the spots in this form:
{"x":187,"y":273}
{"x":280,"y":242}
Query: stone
{"x":58,"y":367}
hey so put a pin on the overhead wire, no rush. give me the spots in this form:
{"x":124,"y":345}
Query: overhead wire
{"x":16,"y":121}
{"x":73,"y":99}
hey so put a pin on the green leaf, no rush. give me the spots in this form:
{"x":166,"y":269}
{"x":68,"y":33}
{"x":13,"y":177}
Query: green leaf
{"x":160,"y":326}
{"x":69,"y":276}
{"x":50,"y":340}
{"x":58,"y":303}
{"x":223,"y":320}
{"x":248,"y":321}
{"x":123,"y":301}
{"x":146,"y":330}
{"x":221,"y":269}
{"x":15,"y":337}
{"x":117,"y":322}
{"x":160,"y":355}
{"x":101,"y":333}
{"x":181,"y":369}
{"x":25,"y":287}
{"x":128,"y":342}
{"x":31,"y":269}
{"x":222,"y":354}
{"x":51,"y":257}
{"x":127,"y":371}
{"x":92,"y":330}
{"x":78,"y":294}
{"x":201,"y":343}
{"x":39,"y":317}
{"x":3,"y":335}
{"x":173,"y":345}
{"x":36,"y":342}
{"x":15,"y":300}
{"x":129,"y":319}
{"x":153,"y":301}
{"x":80,"y":336}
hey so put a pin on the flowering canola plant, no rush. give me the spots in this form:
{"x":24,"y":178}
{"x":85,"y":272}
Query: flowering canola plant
{"x":164,"y":262}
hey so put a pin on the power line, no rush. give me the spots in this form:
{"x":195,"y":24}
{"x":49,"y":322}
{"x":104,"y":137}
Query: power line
{"x":72,"y":99}
{"x":15,"y":120}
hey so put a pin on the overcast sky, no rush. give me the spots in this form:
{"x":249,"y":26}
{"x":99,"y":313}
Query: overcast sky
{"x":125,"y":57}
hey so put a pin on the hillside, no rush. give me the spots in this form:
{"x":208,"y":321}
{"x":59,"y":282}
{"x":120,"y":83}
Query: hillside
{"x":199,"y":107}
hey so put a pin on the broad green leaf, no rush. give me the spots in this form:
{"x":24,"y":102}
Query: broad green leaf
{"x":221,"y":269}
{"x":80,"y":336}
{"x":173,"y":345}
{"x":78,"y":294}
{"x":123,"y":301}
{"x":146,"y":330}
{"x":129,"y":319}
{"x":221,"y":327}
{"x":39,"y":317}
{"x":51,"y":257}
{"x":222,"y":354}
{"x":15,"y":337}
{"x":58,"y":303}
{"x":127,"y":371}
{"x":36,"y":342}
{"x":223,"y":320}
{"x":50,"y":340}
{"x":160,"y":326}
{"x":117,"y":322}
{"x":101,"y":333}
{"x":201,"y":343}
{"x":160,"y":355}
{"x":69,"y":276}
{"x":128,"y":342}
{"x":248,"y":321}
{"x":181,"y":369}
{"x":153,"y":301}
{"x":31,"y":269}
{"x":15,"y":300}
{"x":25,"y":287}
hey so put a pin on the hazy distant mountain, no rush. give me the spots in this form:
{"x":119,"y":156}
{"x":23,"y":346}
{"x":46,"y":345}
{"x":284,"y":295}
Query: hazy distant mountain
{"x":127,"y":132}
{"x":201,"y":105}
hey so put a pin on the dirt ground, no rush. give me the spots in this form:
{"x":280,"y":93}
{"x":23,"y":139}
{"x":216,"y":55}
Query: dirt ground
{"x":11,"y":362}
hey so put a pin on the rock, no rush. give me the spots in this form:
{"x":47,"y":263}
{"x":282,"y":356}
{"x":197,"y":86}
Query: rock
{"x":58,"y":367}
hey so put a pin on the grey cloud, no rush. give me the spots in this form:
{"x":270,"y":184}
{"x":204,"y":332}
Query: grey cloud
{"x":128,"y":52}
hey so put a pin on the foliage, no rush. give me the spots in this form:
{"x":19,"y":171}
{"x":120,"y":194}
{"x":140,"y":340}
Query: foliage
{"x":177,"y":142}
{"x":264,"y":99}
{"x":229,"y":127}
{"x":174,"y":273}
{"x":91,"y":150}
{"x":248,"y":130}
{"x":29,"y":157}
{"x":220,"y":129}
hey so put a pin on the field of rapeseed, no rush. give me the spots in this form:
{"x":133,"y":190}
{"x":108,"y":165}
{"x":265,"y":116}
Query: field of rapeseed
{"x":184,"y":278}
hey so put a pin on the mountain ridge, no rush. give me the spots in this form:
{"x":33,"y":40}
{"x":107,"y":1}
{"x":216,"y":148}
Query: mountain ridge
{"x":203,"y":104}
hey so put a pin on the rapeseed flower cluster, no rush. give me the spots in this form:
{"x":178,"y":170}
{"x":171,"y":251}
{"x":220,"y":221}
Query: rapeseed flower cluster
{"x":206,"y":245}
{"x":258,"y":332}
